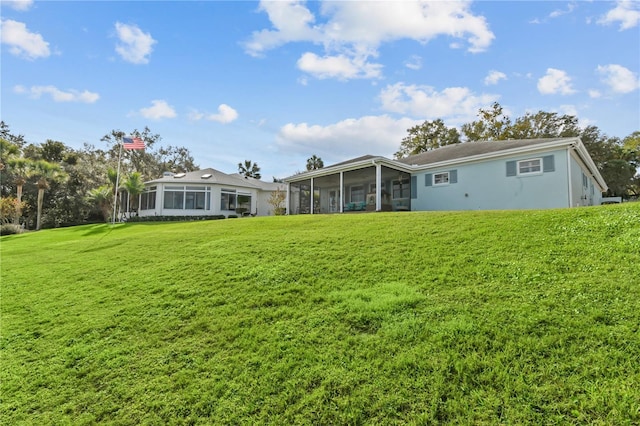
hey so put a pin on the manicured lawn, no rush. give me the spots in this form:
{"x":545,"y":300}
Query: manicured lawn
{"x":421,"y":318}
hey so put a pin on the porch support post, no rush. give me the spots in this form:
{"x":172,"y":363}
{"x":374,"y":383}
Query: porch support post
{"x":341,"y":192}
{"x":287,"y":200}
{"x":312,"y":195}
{"x":378,"y":187}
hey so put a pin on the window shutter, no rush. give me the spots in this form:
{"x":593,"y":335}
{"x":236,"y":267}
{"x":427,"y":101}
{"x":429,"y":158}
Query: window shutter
{"x":414,"y":187}
{"x":428,"y":179}
{"x":512,"y":168}
{"x":548,"y":164}
{"x":453,"y":176}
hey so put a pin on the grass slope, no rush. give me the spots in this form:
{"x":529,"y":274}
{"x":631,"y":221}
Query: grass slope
{"x":466,"y":317}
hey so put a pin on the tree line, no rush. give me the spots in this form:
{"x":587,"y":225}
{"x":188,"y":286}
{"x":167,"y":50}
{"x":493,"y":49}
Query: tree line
{"x":51,"y":184}
{"x":618,"y":160}
{"x":80,"y":184}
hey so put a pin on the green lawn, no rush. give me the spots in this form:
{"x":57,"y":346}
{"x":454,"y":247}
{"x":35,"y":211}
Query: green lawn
{"x":388,"y":318}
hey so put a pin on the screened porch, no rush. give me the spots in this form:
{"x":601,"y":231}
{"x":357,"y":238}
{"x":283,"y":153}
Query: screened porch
{"x":367,"y":189}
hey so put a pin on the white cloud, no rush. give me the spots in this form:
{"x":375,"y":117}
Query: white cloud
{"x":494,"y":77}
{"x":626,"y":12}
{"x":134,"y":45}
{"x":353,"y":31}
{"x":22,"y":42}
{"x":455,"y":105}
{"x":555,"y":81}
{"x":415,"y":63}
{"x":340,"y":67}
{"x":594,"y":94}
{"x":160,"y":109}
{"x":376,"y":135}
{"x":291,"y":21}
{"x":225,"y":114}
{"x":58,"y":95}
{"x":20,"y":5}
{"x":618,"y":78}
{"x":559,"y":12}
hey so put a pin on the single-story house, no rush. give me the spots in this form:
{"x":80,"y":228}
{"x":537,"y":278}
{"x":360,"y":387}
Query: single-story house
{"x":207,"y":192}
{"x":511,"y":174}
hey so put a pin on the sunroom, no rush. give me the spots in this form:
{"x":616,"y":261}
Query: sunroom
{"x":365,"y":184}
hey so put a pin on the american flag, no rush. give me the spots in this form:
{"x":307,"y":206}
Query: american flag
{"x":133,"y":142}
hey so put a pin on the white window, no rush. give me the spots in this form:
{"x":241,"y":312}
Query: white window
{"x":531,"y":166}
{"x":441,"y":178}
{"x":228,"y":199}
{"x":187,"y":198}
{"x":148,"y":198}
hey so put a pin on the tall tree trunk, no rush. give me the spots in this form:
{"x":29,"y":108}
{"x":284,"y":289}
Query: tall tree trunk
{"x":40,"y":201}
{"x":16,"y":220}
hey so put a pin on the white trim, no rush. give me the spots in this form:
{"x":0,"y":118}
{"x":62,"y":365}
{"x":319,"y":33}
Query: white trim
{"x":378,"y":187}
{"x":569,"y":150}
{"x":532,"y":173}
{"x":342,"y":197}
{"x":352,"y":166}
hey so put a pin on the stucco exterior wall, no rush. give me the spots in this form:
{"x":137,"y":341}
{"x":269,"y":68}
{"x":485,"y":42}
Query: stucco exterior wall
{"x":585,"y":191}
{"x":485,"y":185}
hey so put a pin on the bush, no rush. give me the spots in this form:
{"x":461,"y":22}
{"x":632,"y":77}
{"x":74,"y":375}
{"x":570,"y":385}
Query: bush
{"x":10,"y":229}
{"x":174,"y":218}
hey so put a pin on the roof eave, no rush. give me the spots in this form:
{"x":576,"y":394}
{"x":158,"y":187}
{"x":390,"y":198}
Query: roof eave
{"x":348,"y":167}
{"x":498,"y":154}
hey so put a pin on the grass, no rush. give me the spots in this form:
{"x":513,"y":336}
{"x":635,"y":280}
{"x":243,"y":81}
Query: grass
{"x":412,"y":318}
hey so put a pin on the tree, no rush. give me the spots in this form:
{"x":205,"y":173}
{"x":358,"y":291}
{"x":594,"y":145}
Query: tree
{"x":176,"y":159}
{"x":22,"y":169}
{"x":544,"y":125}
{"x":46,"y":172}
{"x":314,"y":163}
{"x":427,"y":136}
{"x":619,"y":177}
{"x":276,"y":201}
{"x":492,"y":126}
{"x":9,"y":206}
{"x":8,"y":150}
{"x":134,"y":187}
{"x":102,"y":197}
{"x":6,"y":134}
{"x":249,"y":169}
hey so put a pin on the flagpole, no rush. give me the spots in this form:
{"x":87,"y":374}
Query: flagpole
{"x":115,"y":195}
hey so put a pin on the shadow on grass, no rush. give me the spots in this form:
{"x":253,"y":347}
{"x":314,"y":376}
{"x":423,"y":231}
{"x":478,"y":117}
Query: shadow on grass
{"x":99,"y":247}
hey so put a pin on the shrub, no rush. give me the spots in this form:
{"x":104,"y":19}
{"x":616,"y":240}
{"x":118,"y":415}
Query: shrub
{"x":174,"y":218}
{"x":10,"y":229}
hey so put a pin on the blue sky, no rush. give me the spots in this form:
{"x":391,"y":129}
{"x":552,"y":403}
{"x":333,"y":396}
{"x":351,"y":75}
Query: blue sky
{"x":277,"y":82}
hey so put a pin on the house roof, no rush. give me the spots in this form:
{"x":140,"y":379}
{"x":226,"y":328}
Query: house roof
{"x":473,"y":149}
{"x":353,"y":164}
{"x":462,"y":153}
{"x":215,"y":177}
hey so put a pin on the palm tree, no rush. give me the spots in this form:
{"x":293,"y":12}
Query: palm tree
{"x":7,"y":151}
{"x":249,"y":169}
{"x":46,"y":172}
{"x":314,"y":163}
{"x":102,"y":196}
{"x":134,"y":186}
{"x":22,"y":169}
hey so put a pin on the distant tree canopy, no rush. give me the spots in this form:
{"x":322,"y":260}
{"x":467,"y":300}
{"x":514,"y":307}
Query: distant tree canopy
{"x":77,"y":187}
{"x":249,"y":169}
{"x":427,"y":136}
{"x":616,"y":159}
{"x":314,"y":163}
